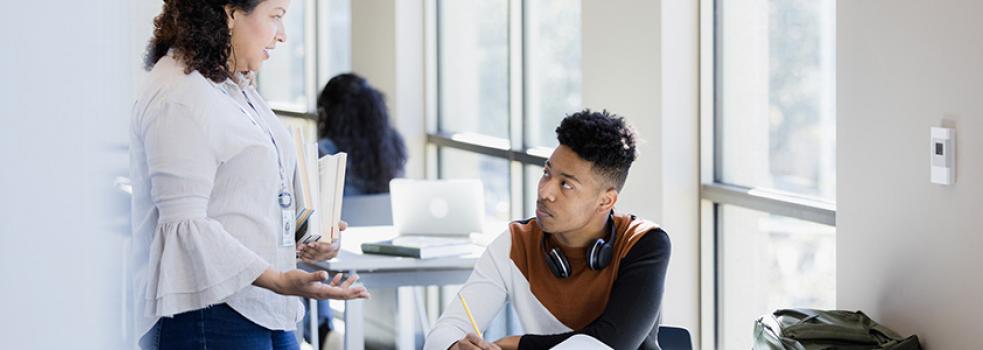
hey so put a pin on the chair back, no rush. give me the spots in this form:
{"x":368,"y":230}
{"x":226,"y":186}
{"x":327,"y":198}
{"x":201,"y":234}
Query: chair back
{"x":674,"y":338}
{"x":367,"y":210}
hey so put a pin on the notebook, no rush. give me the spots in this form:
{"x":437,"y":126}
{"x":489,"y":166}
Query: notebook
{"x":420,"y":247}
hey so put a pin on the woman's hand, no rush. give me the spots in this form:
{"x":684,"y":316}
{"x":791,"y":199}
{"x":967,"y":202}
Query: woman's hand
{"x":311,"y":285}
{"x":319,"y":251}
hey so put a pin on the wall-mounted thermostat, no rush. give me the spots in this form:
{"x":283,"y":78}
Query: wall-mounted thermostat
{"x":943,"y":156}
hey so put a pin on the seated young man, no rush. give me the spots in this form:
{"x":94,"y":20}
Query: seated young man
{"x":578,"y":267}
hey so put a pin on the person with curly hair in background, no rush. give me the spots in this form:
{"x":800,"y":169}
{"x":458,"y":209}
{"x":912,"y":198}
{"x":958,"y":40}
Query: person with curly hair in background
{"x":578,"y":267}
{"x":213,"y":174}
{"x":352,"y":118}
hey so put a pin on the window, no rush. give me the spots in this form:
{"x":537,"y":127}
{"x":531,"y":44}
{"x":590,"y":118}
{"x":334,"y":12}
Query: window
{"x":334,"y":34}
{"x":281,"y":80}
{"x":553,"y":67}
{"x":506,"y":73}
{"x":533,"y":174}
{"x":768,"y":262}
{"x":493,"y":173}
{"x":474,"y":76}
{"x":318,"y":47}
{"x":771,"y":187}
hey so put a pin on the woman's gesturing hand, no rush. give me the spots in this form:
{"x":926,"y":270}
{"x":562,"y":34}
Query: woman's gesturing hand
{"x":311,"y":285}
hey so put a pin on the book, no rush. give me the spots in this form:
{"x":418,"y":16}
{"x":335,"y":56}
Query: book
{"x":319,"y":188}
{"x":331,"y":189}
{"x":303,"y":188}
{"x":315,"y":190}
{"x":420,"y":247}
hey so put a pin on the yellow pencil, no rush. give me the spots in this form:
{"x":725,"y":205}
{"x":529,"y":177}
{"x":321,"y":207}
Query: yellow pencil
{"x":470,"y":316}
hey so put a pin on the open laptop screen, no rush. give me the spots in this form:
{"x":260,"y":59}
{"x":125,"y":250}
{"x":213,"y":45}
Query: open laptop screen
{"x":437,"y":207}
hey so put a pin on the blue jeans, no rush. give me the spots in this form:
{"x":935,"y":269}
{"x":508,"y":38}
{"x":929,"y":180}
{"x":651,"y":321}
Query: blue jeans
{"x":215,"y":327}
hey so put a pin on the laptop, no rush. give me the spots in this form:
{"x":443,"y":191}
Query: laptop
{"x":437,"y":207}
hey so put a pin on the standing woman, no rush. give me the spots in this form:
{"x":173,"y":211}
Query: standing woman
{"x":213,"y":182}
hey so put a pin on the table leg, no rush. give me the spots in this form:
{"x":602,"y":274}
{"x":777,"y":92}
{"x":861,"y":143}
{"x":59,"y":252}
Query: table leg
{"x":312,"y":318}
{"x":354,"y":325}
{"x":405,"y":326}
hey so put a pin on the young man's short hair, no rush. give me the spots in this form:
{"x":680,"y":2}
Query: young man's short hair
{"x":603,"y":139}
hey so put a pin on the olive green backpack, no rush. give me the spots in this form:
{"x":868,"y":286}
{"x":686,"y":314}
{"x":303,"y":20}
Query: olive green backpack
{"x":809,"y":329}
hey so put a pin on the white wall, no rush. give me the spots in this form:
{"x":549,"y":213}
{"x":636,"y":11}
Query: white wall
{"x":640,"y":60}
{"x":908,"y":251}
{"x":680,"y":147}
{"x":387,"y":49}
{"x":66,"y":87}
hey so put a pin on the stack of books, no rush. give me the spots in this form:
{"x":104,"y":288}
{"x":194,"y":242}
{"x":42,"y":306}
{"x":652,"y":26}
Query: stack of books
{"x":320,"y":186}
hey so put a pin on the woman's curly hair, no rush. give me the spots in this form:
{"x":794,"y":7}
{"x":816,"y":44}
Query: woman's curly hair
{"x":353,"y":115}
{"x":198,"y":31}
{"x":603,"y":139}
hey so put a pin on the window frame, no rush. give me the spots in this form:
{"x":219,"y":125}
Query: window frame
{"x":715,"y":193}
{"x":515,"y":149}
{"x":313,"y":27}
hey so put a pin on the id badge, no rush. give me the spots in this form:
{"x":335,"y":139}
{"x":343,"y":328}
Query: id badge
{"x":287,"y":236}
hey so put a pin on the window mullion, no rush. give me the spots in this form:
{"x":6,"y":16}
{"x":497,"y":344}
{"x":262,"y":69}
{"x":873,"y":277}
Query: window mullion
{"x":516,"y":77}
{"x":517,"y":115}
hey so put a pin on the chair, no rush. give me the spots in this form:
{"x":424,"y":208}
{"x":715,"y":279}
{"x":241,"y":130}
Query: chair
{"x":367,"y":210}
{"x":674,"y":338}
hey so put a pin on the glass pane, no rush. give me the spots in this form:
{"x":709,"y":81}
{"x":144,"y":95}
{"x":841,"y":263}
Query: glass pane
{"x":533,"y":173}
{"x":776,"y":95}
{"x":473,"y":67}
{"x":335,"y":36}
{"x":493,"y":173}
{"x":552,"y":67}
{"x":768,"y":262}
{"x":281,"y":81}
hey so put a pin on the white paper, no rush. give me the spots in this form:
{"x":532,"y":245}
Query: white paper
{"x":581,"y":341}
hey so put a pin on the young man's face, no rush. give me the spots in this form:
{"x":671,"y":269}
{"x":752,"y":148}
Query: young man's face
{"x":570,"y":193}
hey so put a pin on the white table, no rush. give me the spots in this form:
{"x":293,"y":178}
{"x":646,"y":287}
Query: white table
{"x":380,"y":271}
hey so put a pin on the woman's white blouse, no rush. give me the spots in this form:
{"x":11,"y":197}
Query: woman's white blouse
{"x":206,"y":221}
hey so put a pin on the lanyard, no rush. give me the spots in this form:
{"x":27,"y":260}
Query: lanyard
{"x":284,"y":198}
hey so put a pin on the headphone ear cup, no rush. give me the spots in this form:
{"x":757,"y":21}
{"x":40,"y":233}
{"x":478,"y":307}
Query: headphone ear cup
{"x":607,"y":251}
{"x":557,"y":263}
{"x":599,"y":255}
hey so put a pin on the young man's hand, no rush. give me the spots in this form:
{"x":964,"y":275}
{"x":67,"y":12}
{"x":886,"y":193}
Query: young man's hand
{"x":472,"y":341}
{"x":508,"y":343}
